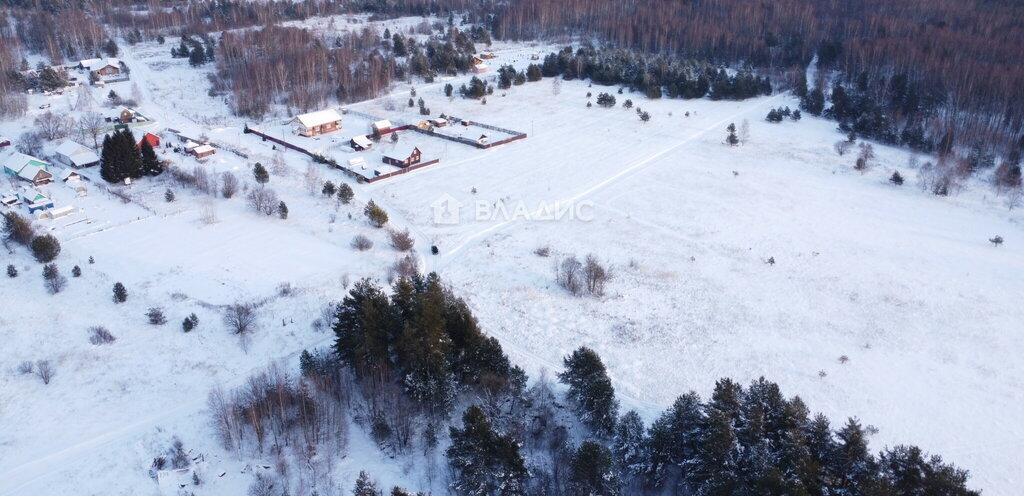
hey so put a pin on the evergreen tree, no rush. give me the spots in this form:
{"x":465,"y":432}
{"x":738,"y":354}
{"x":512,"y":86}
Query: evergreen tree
{"x":854,"y":463}
{"x":111,"y":167}
{"x":590,"y":390}
{"x":151,"y":165}
{"x":896,"y":178}
{"x":76,"y":271}
{"x":717,"y":470}
{"x":168,"y":196}
{"x":260,"y":174}
{"x":329,"y":189}
{"x":485,"y":462}
{"x":423,"y":351}
{"x":363,"y":327}
{"x":190,"y":323}
{"x":674,"y":440}
{"x":345,"y":193}
{"x":197,"y":56}
{"x":12,"y":271}
{"x":282,"y":210}
{"x":628,"y":446}
{"x":120,"y":293}
{"x":376,"y":215}
{"x":813,"y":102}
{"x":590,"y":471}
{"x":365,"y":486}
{"x":731,"y":138}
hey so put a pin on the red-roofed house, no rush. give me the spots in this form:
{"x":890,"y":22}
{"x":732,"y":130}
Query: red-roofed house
{"x":152,"y":139}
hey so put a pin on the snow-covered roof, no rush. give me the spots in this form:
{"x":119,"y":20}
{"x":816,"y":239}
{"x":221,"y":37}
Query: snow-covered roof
{"x":93,"y":64}
{"x":362,"y":141}
{"x":37,"y":197}
{"x":70,"y":174}
{"x":401,"y":152}
{"x":382,"y":124}
{"x":203,"y":149}
{"x":77,"y":154}
{"x":16,"y":161}
{"x":318,"y":118}
{"x":357,"y":161}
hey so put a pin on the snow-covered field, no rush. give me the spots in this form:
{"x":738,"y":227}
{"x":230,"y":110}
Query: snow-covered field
{"x":902,"y":283}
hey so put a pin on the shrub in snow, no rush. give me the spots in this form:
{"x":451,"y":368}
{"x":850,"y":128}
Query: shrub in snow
{"x":45,"y":371}
{"x":26,"y":367}
{"x":361,"y":243}
{"x":76,"y":271}
{"x":190,"y":323}
{"x":12,"y":271}
{"x":401,"y":240}
{"x":100,"y":335}
{"x":996,"y":241}
{"x":156,"y":316}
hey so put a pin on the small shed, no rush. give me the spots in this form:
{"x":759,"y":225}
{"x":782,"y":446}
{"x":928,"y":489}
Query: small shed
{"x":10,"y":201}
{"x":70,"y":176}
{"x":381,"y":126}
{"x":439,"y":122}
{"x":480,"y":68}
{"x":403,"y":157}
{"x":357,"y":162}
{"x":203,"y":151}
{"x":482,"y":139}
{"x":38,"y":202}
{"x":360,"y":143}
{"x":56,"y":213}
{"x":4,"y":142}
{"x":152,"y":139}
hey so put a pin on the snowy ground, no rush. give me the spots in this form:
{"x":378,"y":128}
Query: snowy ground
{"x":902,"y":283}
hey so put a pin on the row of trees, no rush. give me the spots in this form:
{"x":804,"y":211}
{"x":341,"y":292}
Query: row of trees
{"x":653,"y":76}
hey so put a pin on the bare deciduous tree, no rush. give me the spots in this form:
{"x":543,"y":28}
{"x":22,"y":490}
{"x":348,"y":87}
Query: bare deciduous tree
{"x":45,"y":370}
{"x":53,"y":126}
{"x":569,"y":275}
{"x":228,"y":184}
{"x":240,"y":318}
{"x":263,"y":200}
{"x":91,"y":126}
{"x":596,"y":275}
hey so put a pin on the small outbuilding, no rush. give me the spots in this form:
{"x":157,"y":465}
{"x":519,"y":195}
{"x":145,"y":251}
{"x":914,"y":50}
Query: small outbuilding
{"x":482,"y":139}
{"x":361,"y":143}
{"x":126,"y":116}
{"x":4,"y":142}
{"x":357,"y":162}
{"x":56,"y":213}
{"x":381,"y":126}
{"x":439,"y":122}
{"x":203,"y":151}
{"x":38,"y":202}
{"x":10,"y":201}
{"x":403,"y":156}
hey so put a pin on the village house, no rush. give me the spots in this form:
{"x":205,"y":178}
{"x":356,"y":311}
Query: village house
{"x":126,"y":116}
{"x":439,"y":122}
{"x":316,"y":123}
{"x":361,"y":143}
{"x":101,"y":67}
{"x":403,"y":156}
{"x":152,"y":139}
{"x":27,"y":168}
{"x":75,"y":155}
